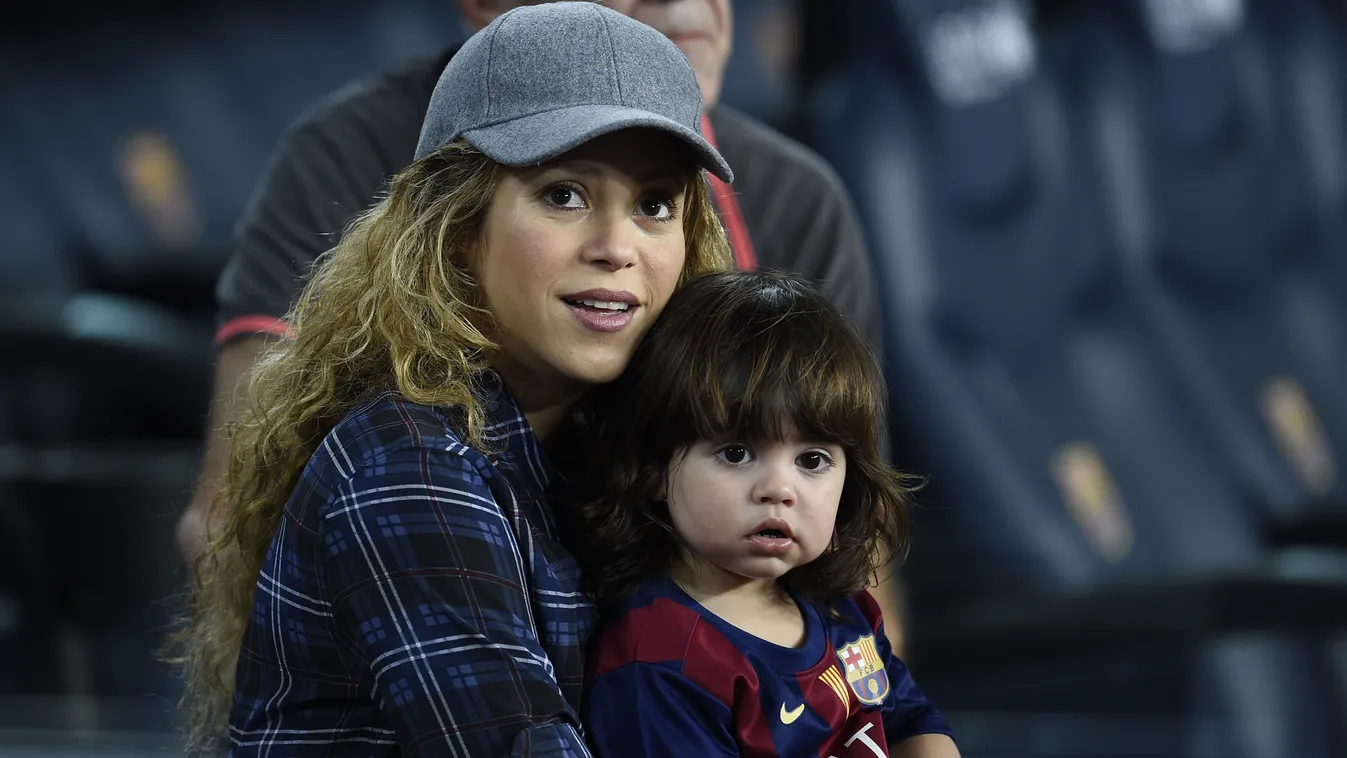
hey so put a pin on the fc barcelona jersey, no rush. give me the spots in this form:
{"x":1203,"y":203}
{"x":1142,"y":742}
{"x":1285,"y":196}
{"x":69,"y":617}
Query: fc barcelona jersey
{"x":669,"y":678}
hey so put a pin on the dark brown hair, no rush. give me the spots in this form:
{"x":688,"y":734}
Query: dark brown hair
{"x":732,"y":355}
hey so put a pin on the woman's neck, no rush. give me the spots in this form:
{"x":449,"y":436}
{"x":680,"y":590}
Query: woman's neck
{"x":545,"y":401}
{"x":544,"y":421}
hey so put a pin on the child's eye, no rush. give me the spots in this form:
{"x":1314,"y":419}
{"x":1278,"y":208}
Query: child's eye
{"x":735,"y":455}
{"x":815,"y":461}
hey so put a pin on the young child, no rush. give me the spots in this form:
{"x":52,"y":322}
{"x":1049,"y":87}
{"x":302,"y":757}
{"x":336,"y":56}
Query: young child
{"x":729,"y":502}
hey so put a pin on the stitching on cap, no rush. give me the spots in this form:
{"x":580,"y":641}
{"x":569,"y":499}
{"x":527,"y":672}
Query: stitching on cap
{"x":490,"y":58}
{"x":612,"y":55}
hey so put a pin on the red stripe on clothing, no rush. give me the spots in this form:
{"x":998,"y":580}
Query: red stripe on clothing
{"x":721,"y":669}
{"x":728,"y":203}
{"x":665,"y":631}
{"x":657,"y":633}
{"x":826,"y":691}
{"x":251,"y":325}
{"x":869,"y":608}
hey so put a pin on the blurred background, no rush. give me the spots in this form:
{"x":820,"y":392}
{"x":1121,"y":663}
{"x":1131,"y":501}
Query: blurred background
{"x":1111,"y":239}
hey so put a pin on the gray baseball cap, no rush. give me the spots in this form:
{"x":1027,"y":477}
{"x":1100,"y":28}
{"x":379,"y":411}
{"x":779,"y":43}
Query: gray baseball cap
{"x":540,"y":80}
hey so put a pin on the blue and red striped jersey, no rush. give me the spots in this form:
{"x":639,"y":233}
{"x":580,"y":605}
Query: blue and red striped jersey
{"x":667,"y":677}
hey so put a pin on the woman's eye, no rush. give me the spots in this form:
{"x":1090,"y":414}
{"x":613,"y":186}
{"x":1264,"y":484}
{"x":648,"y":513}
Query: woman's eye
{"x":565,"y":197}
{"x":734,"y":454}
{"x":815,"y":461}
{"x":656,"y":208}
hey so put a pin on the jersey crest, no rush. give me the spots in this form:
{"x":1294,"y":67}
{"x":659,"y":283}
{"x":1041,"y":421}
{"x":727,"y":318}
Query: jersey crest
{"x":864,"y":670}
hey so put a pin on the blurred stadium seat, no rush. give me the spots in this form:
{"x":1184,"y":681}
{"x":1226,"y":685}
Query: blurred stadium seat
{"x":1079,"y":502}
{"x":1310,"y":67}
{"x":1219,"y":227}
{"x":762,"y":76}
{"x":129,"y":146}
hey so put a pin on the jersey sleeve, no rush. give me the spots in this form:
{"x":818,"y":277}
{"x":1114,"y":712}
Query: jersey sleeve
{"x":429,"y":593}
{"x":907,"y":712}
{"x":654,"y":710}
{"x":324,"y":171}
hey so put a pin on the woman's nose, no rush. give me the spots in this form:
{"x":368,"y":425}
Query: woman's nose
{"x":614,"y":242}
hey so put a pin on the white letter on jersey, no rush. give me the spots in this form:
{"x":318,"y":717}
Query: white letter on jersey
{"x":863,"y":737}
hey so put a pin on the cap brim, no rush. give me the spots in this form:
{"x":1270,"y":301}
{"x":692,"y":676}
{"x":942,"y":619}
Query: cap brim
{"x":531,"y":140}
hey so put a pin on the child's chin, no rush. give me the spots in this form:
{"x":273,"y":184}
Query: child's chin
{"x":763,"y":570}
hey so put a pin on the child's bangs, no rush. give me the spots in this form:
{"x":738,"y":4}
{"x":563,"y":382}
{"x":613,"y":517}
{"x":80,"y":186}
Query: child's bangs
{"x":802,"y":370}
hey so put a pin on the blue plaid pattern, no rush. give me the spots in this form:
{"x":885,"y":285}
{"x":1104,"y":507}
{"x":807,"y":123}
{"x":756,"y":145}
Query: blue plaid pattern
{"x":415,"y":600}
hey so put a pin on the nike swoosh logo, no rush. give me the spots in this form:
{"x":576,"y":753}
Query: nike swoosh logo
{"x":788,"y":717}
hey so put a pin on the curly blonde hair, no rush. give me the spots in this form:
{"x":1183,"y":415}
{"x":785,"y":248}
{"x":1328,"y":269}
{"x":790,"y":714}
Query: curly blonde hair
{"x":386,"y":309}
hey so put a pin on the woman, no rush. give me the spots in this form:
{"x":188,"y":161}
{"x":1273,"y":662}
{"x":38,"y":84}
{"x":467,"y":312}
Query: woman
{"x":387,"y":558}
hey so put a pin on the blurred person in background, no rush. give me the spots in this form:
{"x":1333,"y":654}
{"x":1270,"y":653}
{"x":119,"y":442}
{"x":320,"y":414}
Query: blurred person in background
{"x":788,"y":210}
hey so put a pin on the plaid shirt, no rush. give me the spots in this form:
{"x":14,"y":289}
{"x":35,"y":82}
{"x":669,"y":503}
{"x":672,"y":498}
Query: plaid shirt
{"x":415,"y":600}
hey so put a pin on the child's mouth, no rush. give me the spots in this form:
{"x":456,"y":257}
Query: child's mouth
{"x":771,"y":538}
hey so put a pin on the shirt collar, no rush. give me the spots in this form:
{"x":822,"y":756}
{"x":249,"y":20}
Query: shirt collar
{"x":510,"y":440}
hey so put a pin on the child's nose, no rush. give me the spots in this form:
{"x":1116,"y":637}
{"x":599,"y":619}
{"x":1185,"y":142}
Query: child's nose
{"x":774,"y":488}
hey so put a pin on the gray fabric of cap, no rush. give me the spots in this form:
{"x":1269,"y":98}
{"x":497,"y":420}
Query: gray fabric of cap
{"x":540,"y":80}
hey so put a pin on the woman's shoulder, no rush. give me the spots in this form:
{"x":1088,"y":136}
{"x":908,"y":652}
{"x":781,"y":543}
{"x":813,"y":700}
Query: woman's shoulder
{"x":387,"y":424}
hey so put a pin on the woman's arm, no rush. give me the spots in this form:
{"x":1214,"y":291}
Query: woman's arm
{"x":429,"y":591}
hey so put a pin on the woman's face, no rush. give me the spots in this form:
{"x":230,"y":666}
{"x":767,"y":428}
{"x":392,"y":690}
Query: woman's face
{"x":577,"y":258}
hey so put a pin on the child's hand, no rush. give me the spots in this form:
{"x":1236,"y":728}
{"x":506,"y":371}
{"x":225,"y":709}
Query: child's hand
{"x":926,"y":746}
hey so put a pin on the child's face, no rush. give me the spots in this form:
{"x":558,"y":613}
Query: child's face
{"x":757,"y":509}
